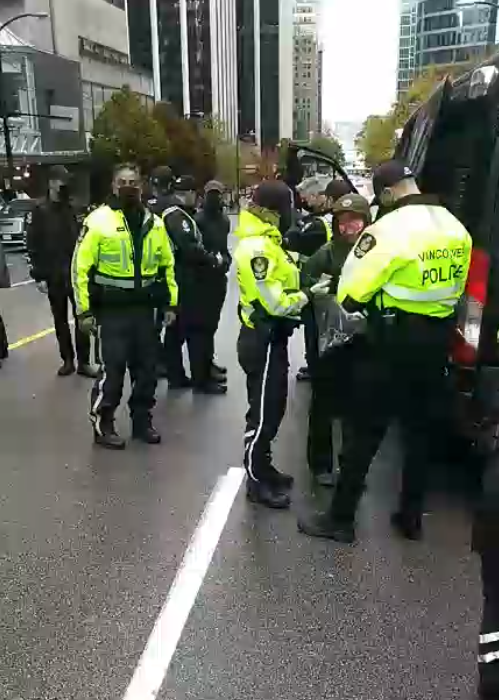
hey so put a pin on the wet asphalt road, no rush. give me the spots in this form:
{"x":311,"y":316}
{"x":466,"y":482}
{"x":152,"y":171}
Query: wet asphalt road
{"x":90,"y":543}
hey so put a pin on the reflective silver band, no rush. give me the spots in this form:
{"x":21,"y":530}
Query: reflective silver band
{"x":110,"y":257}
{"x":490,"y":638}
{"x":103,"y":281}
{"x":443,"y":294}
{"x":488,"y":658}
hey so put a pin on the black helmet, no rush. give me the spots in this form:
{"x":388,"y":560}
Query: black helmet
{"x":273,"y":195}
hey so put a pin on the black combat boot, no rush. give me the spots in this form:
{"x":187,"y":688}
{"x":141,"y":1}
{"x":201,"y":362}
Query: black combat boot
{"x":67,"y":369}
{"x":268,"y":495}
{"x":144,"y":431}
{"x":407,"y":525}
{"x":105,"y":435}
{"x":327,"y":526}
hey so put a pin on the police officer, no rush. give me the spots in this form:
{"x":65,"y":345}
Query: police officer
{"x":408,"y":272}
{"x":314,"y":230}
{"x":123,"y":269}
{"x":332,"y":375}
{"x":161,"y":190}
{"x":214,"y":225}
{"x":162,"y":186}
{"x":52,"y":234}
{"x":192,"y":260}
{"x":269,"y":307}
{"x":486,"y":544}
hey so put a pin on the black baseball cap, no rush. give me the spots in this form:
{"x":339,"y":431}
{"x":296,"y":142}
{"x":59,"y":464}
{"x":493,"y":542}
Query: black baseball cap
{"x":162,"y":176}
{"x":337,"y":188}
{"x":186,"y":183}
{"x":390,"y":173}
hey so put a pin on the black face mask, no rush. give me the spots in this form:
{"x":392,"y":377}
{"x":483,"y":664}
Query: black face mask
{"x":129,"y":197}
{"x":213,"y":203}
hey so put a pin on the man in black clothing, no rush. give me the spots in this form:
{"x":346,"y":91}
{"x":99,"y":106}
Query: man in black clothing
{"x":53,"y":232}
{"x":4,"y":284}
{"x":162,"y":181}
{"x":192,"y":261}
{"x":214,"y":226}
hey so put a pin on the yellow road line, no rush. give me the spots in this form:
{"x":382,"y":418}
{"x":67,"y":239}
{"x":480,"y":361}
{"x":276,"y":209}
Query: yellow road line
{"x":31,"y":339}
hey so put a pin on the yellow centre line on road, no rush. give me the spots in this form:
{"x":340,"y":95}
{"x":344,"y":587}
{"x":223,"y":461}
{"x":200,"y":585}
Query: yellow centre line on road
{"x":31,"y":339}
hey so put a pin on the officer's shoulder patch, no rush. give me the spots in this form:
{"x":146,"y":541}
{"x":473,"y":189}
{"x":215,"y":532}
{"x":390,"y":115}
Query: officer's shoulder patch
{"x":260,"y":266}
{"x":186,"y":226}
{"x":29,"y":218}
{"x":364,"y":245}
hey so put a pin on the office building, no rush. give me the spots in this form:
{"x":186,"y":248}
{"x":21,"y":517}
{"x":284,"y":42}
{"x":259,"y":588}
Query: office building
{"x":265,"y":70}
{"x":92,"y":32}
{"x":442,"y":32}
{"x":192,"y":49}
{"x":407,"y":44}
{"x":42,"y":92}
{"x":448,"y":33}
{"x":307,"y":67}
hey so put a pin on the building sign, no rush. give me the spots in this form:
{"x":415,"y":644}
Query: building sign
{"x":102,"y":53}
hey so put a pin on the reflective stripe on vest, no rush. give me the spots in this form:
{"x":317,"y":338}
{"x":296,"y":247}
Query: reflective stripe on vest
{"x":104,"y":281}
{"x":442,"y":294}
{"x":329,"y":230}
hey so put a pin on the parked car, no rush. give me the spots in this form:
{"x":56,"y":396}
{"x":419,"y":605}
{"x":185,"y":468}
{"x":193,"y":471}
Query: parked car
{"x":14,"y":218}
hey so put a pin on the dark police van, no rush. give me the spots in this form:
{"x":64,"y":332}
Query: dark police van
{"x":452,"y":145}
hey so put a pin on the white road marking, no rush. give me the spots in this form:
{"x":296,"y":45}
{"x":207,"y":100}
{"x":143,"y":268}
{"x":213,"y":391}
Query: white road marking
{"x":22,"y":284}
{"x":163,"y":640}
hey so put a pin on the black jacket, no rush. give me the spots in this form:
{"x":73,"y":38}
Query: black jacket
{"x":307,"y":237}
{"x":53,"y":232}
{"x":215,"y":229}
{"x":192,"y":259}
{"x":328,"y":260}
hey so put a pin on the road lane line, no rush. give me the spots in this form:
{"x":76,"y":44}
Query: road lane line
{"x":22,"y":284}
{"x":31,"y":339}
{"x":153,"y":665}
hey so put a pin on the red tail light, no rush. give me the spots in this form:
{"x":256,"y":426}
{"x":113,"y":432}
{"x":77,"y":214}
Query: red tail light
{"x":471,"y":310}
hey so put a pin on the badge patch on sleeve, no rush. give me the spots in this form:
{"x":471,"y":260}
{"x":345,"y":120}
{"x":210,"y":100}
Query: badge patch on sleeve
{"x":365,"y":244}
{"x":260,"y":266}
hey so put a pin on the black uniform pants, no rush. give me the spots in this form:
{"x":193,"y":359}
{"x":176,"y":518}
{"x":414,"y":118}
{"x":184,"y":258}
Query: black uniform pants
{"x":488,"y":655}
{"x":61,"y":297}
{"x":402,"y":378}
{"x":4,"y":343}
{"x":200,"y":341}
{"x":310,"y":333}
{"x":265,"y":363}
{"x":128,"y":339}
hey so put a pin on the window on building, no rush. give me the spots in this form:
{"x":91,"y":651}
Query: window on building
{"x":117,"y":3}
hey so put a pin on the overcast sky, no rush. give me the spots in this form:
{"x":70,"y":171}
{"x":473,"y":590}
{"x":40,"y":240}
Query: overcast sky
{"x":360,"y":61}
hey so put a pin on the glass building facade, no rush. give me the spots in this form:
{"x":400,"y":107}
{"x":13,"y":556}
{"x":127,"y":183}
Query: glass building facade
{"x":448,"y":33}
{"x":270,"y":66}
{"x":246,"y":66}
{"x":198,"y":33}
{"x":440,"y":32}
{"x":407,"y":44}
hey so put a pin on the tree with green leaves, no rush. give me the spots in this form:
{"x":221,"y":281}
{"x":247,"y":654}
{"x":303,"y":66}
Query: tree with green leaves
{"x":376,"y":140}
{"x":125,"y":130}
{"x":191,"y":148}
{"x":330,"y":146}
